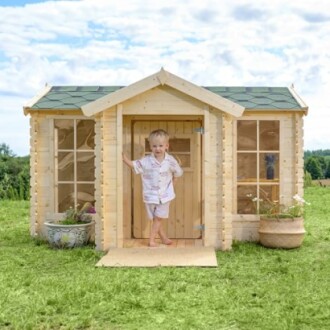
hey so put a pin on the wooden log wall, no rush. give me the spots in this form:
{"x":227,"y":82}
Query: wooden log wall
{"x":41,"y":182}
{"x":227,"y":181}
{"x":99,"y":228}
{"x":107,"y":194}
{"x":214,"y":167}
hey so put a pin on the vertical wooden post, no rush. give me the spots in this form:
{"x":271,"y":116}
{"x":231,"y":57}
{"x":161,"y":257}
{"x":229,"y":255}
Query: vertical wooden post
{"x":227,"y":182}
{"x":299,"y":155}
{"x":33,"y":176}
{"x":205,"y":177}
{"x":120,"y":213}
{"x":99,"y":183}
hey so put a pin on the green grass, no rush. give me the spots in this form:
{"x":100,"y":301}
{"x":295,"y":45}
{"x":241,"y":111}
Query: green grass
{"x":253,"y":287}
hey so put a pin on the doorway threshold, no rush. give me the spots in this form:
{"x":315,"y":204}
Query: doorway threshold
{"x":160,"y":257}
{"x":177,"y":243}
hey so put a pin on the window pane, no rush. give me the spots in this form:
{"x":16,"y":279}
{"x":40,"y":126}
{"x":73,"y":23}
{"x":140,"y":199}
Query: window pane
{"x":177,"y":145}
{"x":146,"y":145}
{"x":65,"y":133}
{"x":246,"y":167}
{"x":85,"y":193}
{"x":269,"y":134}
{"x":85,"y":166}
{"x":65,"y":197}
{"x":183,"y":160}
{"x":269,"y":166}
{"x":85,"y":134}
{"x":244,"y":199}
{"x":247,"y":135}
{"x":65,"y":168}
{"x":269,"y":195}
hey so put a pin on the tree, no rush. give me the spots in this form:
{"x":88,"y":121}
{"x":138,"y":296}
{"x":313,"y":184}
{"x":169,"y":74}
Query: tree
{"x":5,"y":151}
{"x":307,"y":179}
{"x":314,"y":168}
{"x":14,"y":174}
{"x":327,"y":172}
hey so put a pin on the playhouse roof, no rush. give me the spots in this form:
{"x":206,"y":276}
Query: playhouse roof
{"x":233,"y":100}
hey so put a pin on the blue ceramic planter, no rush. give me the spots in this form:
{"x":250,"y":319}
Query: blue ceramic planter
{"x":68,"y":236}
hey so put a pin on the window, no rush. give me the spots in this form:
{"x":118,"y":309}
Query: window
{"x":179,"y":149}
{"x":74,"y":162}
{"x":257,"y":162}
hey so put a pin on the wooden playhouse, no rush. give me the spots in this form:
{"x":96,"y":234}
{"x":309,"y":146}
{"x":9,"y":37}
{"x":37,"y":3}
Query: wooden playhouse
{"x":224,"y":138}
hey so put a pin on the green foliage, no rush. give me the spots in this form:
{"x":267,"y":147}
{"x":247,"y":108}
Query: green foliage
{"x":14,"y":175}
{"x":327,"y":172}
{"x":319,"y":152}
{"x":5,"y":151}
{"x":253,"y":287}
{"x":74,"y":215}
{"x":322,"y":158}
{"x":271,"y":209}
{"x":308,"y":181}
{"x":314,"y":168}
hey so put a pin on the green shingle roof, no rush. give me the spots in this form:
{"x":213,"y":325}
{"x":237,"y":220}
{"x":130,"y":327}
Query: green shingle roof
{"x":72,"y":97}
{"x":272,"y":98}
{"x":268,"y":98}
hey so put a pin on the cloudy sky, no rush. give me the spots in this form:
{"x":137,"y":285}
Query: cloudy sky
{"x":209,"y":42}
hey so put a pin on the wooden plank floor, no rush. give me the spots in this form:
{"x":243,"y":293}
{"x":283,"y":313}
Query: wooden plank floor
{"x":177,"y":243}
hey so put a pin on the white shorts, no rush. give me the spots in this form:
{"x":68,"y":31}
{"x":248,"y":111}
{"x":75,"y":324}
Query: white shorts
{"x":158,"y":210}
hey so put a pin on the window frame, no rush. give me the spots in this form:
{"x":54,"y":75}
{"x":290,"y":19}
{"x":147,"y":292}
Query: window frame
{"x":259,"y":181}
{"x":55,"y":152}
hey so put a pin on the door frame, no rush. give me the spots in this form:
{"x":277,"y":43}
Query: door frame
{"x":127,"y":145}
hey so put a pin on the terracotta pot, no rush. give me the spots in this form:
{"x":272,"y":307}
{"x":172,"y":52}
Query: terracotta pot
{"x":286,"y":233}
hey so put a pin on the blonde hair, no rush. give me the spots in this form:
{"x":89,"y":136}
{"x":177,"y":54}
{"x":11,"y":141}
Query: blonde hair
{"x":159,"y":133}
{"x":162,"y":133}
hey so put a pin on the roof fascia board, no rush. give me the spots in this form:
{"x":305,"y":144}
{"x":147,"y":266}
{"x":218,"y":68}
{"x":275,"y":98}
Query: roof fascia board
{"x":163,"y":78}
{"x":120,"y":95}
{"x":29,"y":104}
{"x":299,"y":100}
{"x":204,"y":95}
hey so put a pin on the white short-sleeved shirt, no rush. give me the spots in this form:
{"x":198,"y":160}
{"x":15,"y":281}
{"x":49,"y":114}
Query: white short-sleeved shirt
{"x":157,"y":177}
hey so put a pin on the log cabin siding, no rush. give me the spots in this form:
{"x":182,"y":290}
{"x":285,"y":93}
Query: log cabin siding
{"x":163,"y":97}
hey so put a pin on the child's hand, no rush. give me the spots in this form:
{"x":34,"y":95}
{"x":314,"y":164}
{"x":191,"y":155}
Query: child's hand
{"x":127,"y":161}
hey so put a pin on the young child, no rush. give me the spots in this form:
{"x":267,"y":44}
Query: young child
{"x":159,"y":172}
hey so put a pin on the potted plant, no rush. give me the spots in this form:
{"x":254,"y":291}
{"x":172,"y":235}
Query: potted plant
{"x":73,"y":229}
{"x":281,"y":226}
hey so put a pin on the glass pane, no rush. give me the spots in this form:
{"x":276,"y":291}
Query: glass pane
{"x":65,"y":133}
{"x":269,"y":166}
{"x":269,"y":135}
{"x":269,"y":195}
{"x":179,"y":145}
{"x":245,"y":194}
{"x":65,"y":166}
{"x":246,"y":167}
{"x":65,"y":197}
{"x":85,"y":193}
{"x":85,"y":134}
{"x":247,"y":135}
{"x":183,"y":160}
{"x":147,"y":146}
{"x":85,"y":166}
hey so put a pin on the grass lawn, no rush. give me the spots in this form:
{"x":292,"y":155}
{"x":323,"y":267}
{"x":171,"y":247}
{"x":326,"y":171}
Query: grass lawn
{"x":253,"y":287}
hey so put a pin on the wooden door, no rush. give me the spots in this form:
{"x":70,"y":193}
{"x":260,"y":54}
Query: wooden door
{"x":185,"y":210}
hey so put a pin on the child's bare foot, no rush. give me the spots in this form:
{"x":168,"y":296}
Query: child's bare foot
{"x":167,"y":241}
{"x":153,"y":244}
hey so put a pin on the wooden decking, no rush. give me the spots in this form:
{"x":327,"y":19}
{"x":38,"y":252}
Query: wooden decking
{"x":177,"y":243}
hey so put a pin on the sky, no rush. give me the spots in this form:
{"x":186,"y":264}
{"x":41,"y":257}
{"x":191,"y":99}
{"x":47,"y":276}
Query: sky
{"x":209,"y":42}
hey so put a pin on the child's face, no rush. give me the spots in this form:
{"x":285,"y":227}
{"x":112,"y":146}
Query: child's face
{"x":158,"y":146}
